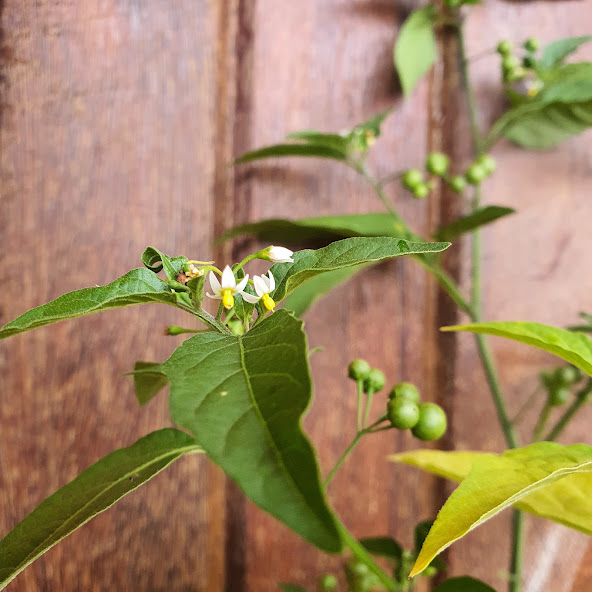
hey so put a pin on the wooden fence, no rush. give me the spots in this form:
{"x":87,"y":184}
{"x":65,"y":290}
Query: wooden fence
{"x":119,"y":120}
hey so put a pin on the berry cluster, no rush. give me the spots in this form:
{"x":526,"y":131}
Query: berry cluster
{"x":559,"y":383}
{"x":438,"y":164}
{"x":514,"y":68}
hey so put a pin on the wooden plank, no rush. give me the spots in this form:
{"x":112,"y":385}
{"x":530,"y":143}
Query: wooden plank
{"x":108,"y":122}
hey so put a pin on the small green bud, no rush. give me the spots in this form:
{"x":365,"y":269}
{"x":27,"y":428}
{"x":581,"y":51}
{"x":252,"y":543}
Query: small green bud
{"x":412,"y":179}
{"x":487,"y":163}
{"x":528,"y":61}
{"x":567,"y":375}
{"x":504,"y":48}
{"x":374,"y":381}
{"x":510,"y":62}
{"x":457,"y":183}
{"x":405,"y":390}
{"x":437,"y":163}
{"x":421,"y":191}
{"x":358,"y":369}
{"x":559,"y":396}
{"x":328,"y":583}
{"x":531,"y":44}
{"x":475,"y":174}
{"x":402,"y":413}
{"x":432,"y":422}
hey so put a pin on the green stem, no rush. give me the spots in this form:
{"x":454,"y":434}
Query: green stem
{"x":542,"y":422}
{"x":240,"y":265}
{"x":370,"y":394}
{"x":484,"y":354}
{"x":342,"y":458}
{"x":360,"y":400}
{"x":362,"y":555}
{"x":581,"y":399}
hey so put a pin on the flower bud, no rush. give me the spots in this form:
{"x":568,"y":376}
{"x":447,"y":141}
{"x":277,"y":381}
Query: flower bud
{"x":276,"y":254}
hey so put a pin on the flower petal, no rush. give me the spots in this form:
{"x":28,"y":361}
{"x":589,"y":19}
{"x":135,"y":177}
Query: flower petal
{"x":271,"y":281}
{"x":250,"y":298}
{"x":214,"y":283}
{"x":214,"y":296}
{"x":260,"y":285}
{"x":241,"y":285}
{"x":228,"y":279}
{"x":280,"y":254}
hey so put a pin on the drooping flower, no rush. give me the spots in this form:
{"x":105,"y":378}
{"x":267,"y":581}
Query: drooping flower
{"x":263,"y":286}
{"x":228,"y":288}
{"x":276,"y":254}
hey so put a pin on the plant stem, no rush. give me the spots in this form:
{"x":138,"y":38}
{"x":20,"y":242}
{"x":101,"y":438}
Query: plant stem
{"x":581,"y":399}
{"x":368,"y":405}
{"x":542,"y":422}
{"x":362,"y":555}
{"x":343,"y":457}
{"x":484,"y":354}
{"x":360,"y":386}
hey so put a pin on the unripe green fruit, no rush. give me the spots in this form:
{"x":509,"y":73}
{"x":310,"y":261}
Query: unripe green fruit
{"x":487,"y":163}
{"x":504,"y":48}
{"x":475,"y":174}
{"x":457,"y":183}
{"x":432,"y":422}
{"x":430,"y":571}
{"x":405,"y":390}
{"x":437,"y":163}
{"x":328,"y":583}
{"x":516,"y":74}
{"x":528,"y":61}
{"x":421,"y":191}
{"x":567,"y":375}
{"x":374,"y":381}
{"x":531,"y":44}
{"x":559,"y":396}
{"x":358,"y":369}
{"x":402,"y":413}
{"x":510,"y":62}
{"x":412,"y":179}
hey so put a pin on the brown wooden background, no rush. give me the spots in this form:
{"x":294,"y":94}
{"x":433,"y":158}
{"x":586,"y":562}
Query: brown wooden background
{"x":118,"y":121}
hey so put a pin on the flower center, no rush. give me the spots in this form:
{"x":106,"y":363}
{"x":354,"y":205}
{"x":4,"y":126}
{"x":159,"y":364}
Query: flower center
{"x":268,"y":302}
{"x":227,"y":299}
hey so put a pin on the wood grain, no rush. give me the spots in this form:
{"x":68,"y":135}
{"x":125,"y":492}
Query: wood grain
{"x":118,"y":120}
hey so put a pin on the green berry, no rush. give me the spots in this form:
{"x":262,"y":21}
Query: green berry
{"x":412,"y":179}
{"x":559,"y":396}
{"x":421,"y":191}
{"x":510,"y":62}
{"x":528,"y":61}
{"x":531,"y":44}
{"x":374,"y":381}
{"x":405,"y":390}
{"x":487,"y":163}
{"x":328,"y":583}
{"x":438,"y":163}
{"x":475,"y":174}
{"x":402,"y":413}
{"x":358,"y":369}
{"x":567,"y":375}
{"x":457,"y":183}
{"x":504,"y":48}
{"x":432,"y":422}
{"x":430,"y":571}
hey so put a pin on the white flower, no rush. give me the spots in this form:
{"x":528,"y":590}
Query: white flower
{"x":277,"y":254}
{"x":228,"y":289}
{"x":263,"y":286}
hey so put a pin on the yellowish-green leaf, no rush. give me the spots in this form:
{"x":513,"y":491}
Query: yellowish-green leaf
{"x":545,"y":478}
{"x":575,"y":348}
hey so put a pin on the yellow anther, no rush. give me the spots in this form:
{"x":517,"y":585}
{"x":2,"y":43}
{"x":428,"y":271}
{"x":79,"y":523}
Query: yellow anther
{"x":227,"y":299}
{"x":268,"y":302}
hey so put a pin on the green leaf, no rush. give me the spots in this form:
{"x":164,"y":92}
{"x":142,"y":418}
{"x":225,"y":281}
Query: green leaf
{"x":557,"y":51}
{"x":575,"y":348}
{"x":415,"y":49}
{"x":243,"y":399}
{"x":469,"y":223}
{"x":301,"y":299}
{"x":463,"y":584}
{"x":138,"y":286}
{"x":281,"y":150}
{"x":383,"y":547}
{"x":93,"y":491}
{"x":312,"y":137}
{"x":545,"y":478}
{"x":292,"y":588}
{"x":341,"y":254}
{"x":155,"y":261}
{"x":326,"y":228}
{"x":149,"y":380}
